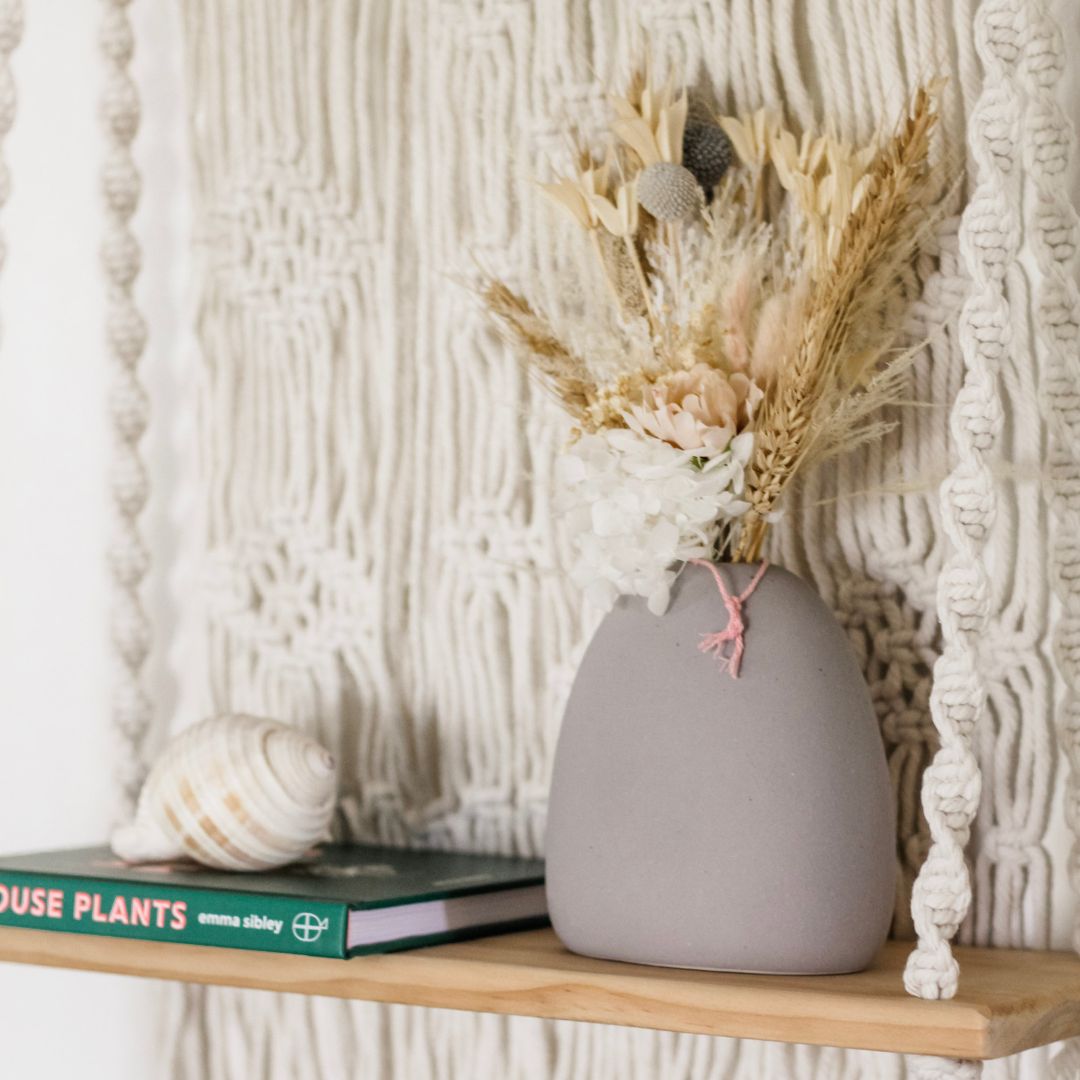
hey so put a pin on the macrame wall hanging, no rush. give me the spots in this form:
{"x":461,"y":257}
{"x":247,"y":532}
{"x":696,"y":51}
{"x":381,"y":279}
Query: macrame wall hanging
{"x":379,"y":562}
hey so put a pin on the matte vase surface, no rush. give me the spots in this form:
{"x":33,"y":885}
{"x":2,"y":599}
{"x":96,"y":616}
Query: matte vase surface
{"x":702,"y":821}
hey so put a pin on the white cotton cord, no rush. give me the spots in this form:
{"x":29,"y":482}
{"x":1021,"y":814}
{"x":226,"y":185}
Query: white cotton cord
{"x":785,"y":31}
{"x":1054,"y":231}
{"x":129,"y":406}
{"x":1011,"y":864}
{"x":989,"y":241}
{"x":824,"y":28}
{"x":940,"y":1068}
{"x":1065,"y":1063}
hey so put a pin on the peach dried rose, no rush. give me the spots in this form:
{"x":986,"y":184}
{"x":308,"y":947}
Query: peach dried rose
{"x":701,"y":409}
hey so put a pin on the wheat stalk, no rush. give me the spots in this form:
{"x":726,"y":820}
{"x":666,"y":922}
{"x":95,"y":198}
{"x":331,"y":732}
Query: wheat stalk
{"x":803,"y":404}
{"x":562,"y":371}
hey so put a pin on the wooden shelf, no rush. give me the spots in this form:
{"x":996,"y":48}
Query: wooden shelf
{"x":1010,"y":1000}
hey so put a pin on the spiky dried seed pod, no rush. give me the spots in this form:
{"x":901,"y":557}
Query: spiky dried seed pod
{"x":707,"y":153}
{"x":669,"y":192}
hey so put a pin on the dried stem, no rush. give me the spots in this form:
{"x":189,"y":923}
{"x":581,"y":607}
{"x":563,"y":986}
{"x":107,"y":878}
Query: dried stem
{"x":609,"y":279}
{"x":676,"y":251}
{"x":643,"y":282}
{"x":802,"y":407}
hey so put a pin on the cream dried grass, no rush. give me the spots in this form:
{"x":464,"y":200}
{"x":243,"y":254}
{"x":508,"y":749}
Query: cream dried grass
{"x":566,"y":374}
{"x":798,"y":274}
{"x":804,"y":410}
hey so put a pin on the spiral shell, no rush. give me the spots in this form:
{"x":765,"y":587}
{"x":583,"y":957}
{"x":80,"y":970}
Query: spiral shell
{"x":669,"y":192}
{"x":234,"y":793}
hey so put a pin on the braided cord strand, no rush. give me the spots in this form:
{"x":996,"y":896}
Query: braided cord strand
{"x":989,"y":243}
{"x":128,"y":400}
{"x":1052,"y":227}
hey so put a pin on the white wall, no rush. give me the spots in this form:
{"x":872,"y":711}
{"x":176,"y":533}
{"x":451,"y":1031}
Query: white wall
{"x":55,"y":744}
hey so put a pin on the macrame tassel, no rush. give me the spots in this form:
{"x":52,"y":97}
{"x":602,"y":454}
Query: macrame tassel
{"x":735,"y":631}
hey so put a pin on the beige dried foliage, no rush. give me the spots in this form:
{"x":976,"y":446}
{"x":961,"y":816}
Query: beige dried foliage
{"x":804,"y":410}
{"x":564,"y":373}
{"x":650,"y":118}
{"x":797,"y":276}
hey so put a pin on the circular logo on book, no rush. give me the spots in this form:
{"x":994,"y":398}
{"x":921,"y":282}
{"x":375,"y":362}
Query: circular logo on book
{"x":308,"y":927}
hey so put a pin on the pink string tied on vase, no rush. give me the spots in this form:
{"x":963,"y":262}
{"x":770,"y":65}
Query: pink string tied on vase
{"x":735,"y":631}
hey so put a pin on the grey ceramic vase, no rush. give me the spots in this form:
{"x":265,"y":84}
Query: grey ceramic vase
{"x":702,"y":821}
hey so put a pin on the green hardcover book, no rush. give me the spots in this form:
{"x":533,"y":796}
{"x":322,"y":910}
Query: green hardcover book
{"x":346,"y":900}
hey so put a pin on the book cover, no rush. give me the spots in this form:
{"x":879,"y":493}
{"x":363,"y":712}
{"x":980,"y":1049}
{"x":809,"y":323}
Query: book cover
{"x":303,"y":909}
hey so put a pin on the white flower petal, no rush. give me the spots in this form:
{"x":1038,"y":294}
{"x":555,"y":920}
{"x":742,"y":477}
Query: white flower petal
{"x":601,"y":595}
{"x":659,"y":598}
{"x":742,"y":446}
{"x":636,"y":506}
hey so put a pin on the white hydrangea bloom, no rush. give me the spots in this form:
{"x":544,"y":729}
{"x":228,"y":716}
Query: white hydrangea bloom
{"x":637,"y":507}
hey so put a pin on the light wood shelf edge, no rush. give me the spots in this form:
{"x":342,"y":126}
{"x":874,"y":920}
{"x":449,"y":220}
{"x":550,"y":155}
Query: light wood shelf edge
{"x":1010,"y":1000}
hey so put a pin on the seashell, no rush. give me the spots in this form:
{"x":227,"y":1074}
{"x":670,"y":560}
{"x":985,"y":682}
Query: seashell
{"x":235,"y":793}
{"x":669,"y":192}
{"x":707,"y":153}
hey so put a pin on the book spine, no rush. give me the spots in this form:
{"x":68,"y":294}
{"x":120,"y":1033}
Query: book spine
{"x":233,"y":920}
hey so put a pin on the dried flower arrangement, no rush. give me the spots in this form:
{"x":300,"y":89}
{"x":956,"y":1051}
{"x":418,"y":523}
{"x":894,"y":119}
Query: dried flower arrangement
{"x":754,"y":283}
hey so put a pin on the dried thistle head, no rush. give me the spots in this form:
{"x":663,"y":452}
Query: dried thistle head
{"x":669,"y":192}
{"x":707,"y":153}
